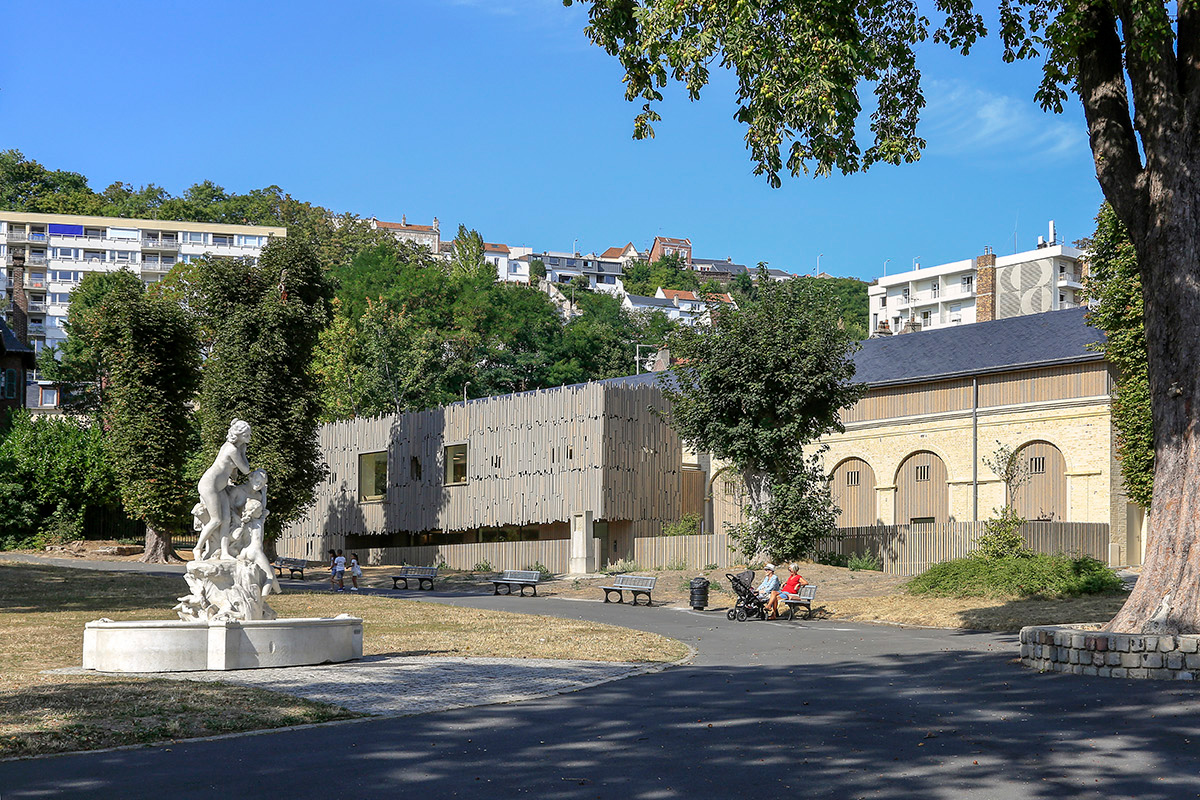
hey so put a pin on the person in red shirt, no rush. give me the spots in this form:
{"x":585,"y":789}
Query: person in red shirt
{"x":790,"y":588}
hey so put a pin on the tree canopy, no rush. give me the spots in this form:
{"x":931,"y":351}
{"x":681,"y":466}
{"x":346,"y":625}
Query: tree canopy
{"x":757,"y":388}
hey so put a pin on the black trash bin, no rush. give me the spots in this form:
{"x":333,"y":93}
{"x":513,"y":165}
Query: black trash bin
{"x":699,"y":593}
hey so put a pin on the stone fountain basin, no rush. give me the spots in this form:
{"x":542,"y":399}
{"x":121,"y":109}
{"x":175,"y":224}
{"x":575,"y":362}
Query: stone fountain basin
{"x":176,"y":646}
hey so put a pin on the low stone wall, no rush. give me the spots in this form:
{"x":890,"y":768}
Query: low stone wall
{"x":1061,"y":648}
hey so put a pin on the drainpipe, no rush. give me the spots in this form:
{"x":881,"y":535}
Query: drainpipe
{"x":975,"y":449}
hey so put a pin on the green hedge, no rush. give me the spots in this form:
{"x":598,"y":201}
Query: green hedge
{"x":1019,"y":576}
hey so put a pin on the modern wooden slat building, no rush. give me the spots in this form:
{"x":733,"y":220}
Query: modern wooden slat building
{"x":587,"y":461}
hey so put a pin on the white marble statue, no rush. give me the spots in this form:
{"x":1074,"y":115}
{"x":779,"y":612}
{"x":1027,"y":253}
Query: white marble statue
{"x":230,"y":573}
{"x":214,"y":490}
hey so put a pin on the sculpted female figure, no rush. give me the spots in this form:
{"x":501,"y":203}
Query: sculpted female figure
{"x":214,"y":484}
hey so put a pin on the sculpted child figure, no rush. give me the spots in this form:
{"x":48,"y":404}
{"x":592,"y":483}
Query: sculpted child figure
{"x":214,"y":486}
{"x":251,"y":497}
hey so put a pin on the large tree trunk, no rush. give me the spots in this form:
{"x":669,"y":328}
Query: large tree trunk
{"x":1167,"y":596}
{"x":158,"y":548}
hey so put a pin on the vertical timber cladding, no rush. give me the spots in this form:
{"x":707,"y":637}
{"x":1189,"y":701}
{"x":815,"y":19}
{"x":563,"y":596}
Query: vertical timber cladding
{"x":1044,"y":496}
{"x":852,"y":485}
{"x":643,"y":460}
{"x":531,"y":459}
{"x":922,"y":494}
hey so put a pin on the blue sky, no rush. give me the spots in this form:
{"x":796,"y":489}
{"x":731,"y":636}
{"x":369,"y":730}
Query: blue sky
{"x":501,"y":115}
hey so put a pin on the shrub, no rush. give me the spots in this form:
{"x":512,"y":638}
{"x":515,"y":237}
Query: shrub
{"x":1002,"y":537}
{"x":710,"y":567}
{"x":687,"y":525}
{"x":624,"y":565}
{"x":866,"y":561}
{"x":483,"y":566}
{"x":831,"y":558}
{"x":1016,"y":576}
{"x":541,"y":568}
{"x":677,"y":564}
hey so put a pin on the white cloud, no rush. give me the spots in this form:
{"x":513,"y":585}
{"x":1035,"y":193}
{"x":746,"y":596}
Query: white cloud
{"x":965,"y":120}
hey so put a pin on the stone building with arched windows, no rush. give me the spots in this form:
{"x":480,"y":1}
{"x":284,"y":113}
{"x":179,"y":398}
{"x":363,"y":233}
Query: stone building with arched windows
{"x":939,"y":404}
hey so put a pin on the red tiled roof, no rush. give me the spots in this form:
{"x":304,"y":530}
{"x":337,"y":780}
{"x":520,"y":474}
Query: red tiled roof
{"x":670,"y":241}
{"x":495,"y":248}
{"x":685,"y":294}
{"x":613,"y":252}
{"x":399,"y":226}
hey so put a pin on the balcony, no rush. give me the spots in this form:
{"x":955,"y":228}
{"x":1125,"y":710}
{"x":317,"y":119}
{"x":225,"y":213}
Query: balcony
{"x":30,"y":260}
{"x":35,"y":281}
{"x":37,"y":329}
{"x":37,"y":307}
{"x":23,"y":236}
{"x":160,"y":244}
{"x":1070,"y":278}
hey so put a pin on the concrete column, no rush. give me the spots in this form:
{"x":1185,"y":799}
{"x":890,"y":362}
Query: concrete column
{"x":583,"y":556}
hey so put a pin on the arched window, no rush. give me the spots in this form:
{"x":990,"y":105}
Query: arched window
{"x":922,"y":494}
{"x":852,"y":484}
{"x":1043,"y":497}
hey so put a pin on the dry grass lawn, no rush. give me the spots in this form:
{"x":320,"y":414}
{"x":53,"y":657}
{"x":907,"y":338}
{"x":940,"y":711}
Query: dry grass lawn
{"x":43,"y":611}
{"x":975,"y":613}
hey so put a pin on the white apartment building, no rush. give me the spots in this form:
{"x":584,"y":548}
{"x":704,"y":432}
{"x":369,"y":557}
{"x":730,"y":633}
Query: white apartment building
{"x":1048,"y":278}
{"x":59,"y":249}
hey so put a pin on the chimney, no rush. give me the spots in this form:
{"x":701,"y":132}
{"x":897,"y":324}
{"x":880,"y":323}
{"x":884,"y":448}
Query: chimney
{"x":884,"y":329}
{"x":20,"y":301}
{"x":403,"y":219}
{"x":985,"y":286}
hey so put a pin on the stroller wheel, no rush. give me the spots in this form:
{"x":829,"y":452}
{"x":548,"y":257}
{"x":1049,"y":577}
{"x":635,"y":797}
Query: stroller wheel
{"x":731,"y":614}
{"x":741,"y":615}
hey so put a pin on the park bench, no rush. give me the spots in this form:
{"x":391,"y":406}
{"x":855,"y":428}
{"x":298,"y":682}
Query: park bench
{"x":804,"y":598}
{"x":418,"y":574}
{"x":293,"y":565}
{"x":634,"y":584}
{"x":517,"y":578}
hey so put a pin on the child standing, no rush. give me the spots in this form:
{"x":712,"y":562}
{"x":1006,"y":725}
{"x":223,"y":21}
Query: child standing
{"x":339,"y":571}
{"x":355,"y":572}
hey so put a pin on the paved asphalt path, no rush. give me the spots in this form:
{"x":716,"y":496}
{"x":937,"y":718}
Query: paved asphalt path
{"x":780,"y":710}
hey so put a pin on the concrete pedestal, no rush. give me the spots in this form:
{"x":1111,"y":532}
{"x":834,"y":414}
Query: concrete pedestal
{"x":582,"y":560}
{"x":176,"y":646}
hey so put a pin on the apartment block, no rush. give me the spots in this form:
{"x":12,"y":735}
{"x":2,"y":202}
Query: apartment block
{"x":46,"y":256}
{"x":1048,"y":278}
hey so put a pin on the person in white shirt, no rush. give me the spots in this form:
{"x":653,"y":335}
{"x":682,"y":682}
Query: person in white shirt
{"x":339,"y":572}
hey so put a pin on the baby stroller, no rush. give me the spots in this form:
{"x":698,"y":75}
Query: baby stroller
{"x":748,"y":605}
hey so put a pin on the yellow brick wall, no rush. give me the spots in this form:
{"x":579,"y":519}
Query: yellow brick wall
{"x":1082,"y":431}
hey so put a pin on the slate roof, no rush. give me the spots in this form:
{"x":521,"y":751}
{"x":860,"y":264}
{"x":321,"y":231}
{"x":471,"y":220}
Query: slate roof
{"x":11,"y":344}
{"x":639,"y":300}
{"x":1054,"y":337}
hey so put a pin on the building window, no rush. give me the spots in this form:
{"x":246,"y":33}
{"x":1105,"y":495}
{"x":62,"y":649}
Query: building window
{"x":49,"y":398}
{"x":10,"y":384}
{"x":924,"y":318}
{"x":222,"y":240}
{"x":414,"y":468}
{"x":193,"y":237}
{"x":923,"y":472}
{"x":883,"y":301}
{"x":968,"y":283}
{"x":456,"y":464}
{"x":1037,"y":465}
{"x":372,"y":476}
{"x":905,"y":295}
{"x":852,"y":478}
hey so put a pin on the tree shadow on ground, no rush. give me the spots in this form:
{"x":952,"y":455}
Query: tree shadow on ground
{"x":34,"y":588}
{"x":908,"y":725}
